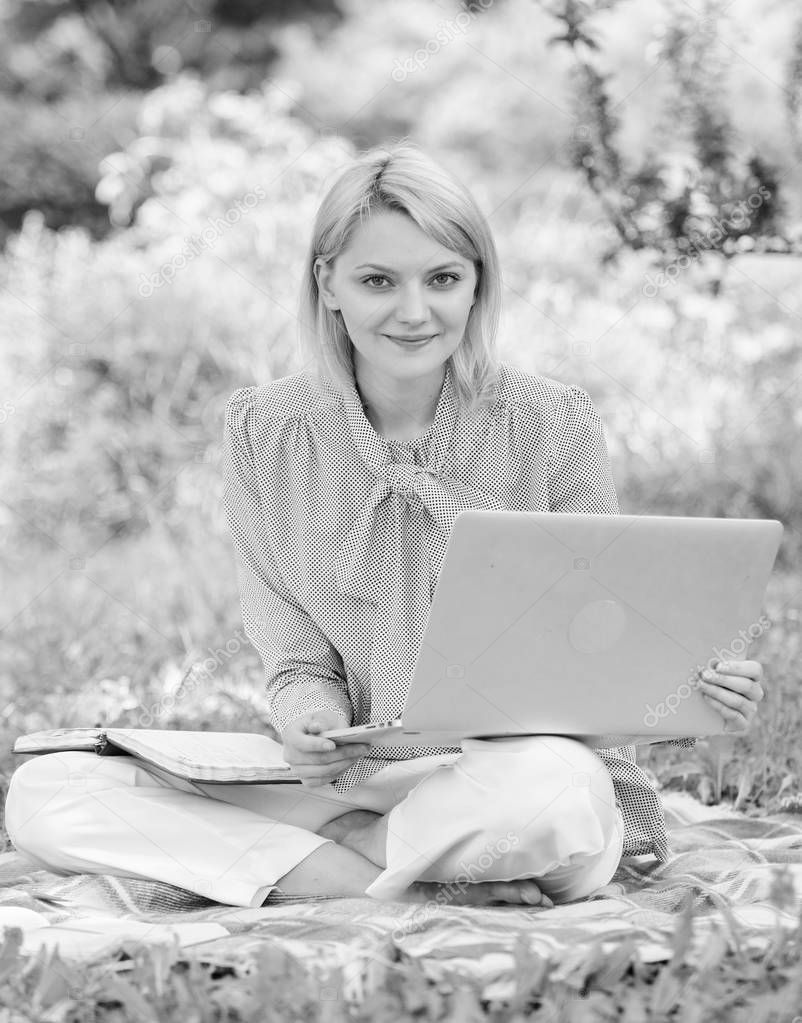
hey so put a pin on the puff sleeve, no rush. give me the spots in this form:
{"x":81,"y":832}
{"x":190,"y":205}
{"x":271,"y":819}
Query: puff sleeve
{"x":579,"y":478}
{"x":303,"y":671}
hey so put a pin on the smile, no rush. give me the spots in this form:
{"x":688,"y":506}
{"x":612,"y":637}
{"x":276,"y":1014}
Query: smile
{"x":404,"y":343}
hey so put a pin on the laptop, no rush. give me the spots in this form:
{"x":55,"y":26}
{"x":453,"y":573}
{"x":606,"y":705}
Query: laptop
{"x":591,"y":626}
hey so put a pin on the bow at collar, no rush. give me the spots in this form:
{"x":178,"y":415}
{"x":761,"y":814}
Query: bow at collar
{"x":361,"y":561}
{"x":369,"y":562}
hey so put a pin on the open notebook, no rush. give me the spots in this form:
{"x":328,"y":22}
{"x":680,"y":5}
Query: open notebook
{"x":207,"y":757}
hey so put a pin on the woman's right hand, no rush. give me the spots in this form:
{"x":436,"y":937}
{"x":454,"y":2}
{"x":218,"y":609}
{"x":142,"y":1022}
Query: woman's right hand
{"x":316,"y":760}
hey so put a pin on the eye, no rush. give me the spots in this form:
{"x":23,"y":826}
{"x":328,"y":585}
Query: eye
{"x":383,"y":277}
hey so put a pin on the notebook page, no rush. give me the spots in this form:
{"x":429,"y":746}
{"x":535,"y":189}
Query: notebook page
{"x":57,"y":739}
{"x":215,"y":755}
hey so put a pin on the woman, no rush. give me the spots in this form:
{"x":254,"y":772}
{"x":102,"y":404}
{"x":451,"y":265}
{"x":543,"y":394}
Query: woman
{"x":341,"y":488}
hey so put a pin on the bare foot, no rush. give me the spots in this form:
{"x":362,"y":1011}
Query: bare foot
{"x":352,"y":829}
{"x":521,"y":892}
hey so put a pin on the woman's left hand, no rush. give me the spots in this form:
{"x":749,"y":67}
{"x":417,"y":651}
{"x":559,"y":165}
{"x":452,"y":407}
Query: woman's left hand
{"x":735,"y":688}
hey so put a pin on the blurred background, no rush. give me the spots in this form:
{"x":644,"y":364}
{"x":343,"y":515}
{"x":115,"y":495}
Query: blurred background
{"x":160,"y":168}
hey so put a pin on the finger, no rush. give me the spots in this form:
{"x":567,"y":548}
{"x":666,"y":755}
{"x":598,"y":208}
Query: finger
{"x":750,"y":669}
{"x":319,"y":770}
{"x":313,"y":744}
{"x":729,"y":714}
{"x":743,"y":685}
{"x":330,"y":756}
{"x":313,"y":770}
{"x":728,"y":697}
{"x":333,"y":757}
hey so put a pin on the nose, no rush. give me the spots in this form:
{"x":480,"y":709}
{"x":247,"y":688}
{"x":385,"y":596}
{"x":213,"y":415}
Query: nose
{"x":412,"y":306}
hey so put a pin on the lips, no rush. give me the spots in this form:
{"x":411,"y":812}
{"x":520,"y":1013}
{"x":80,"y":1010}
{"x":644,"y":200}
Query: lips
{"x":422,"y":337}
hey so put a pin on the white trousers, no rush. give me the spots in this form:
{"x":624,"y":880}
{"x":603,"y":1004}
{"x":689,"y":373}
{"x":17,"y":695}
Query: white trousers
{"x":539,"y":807}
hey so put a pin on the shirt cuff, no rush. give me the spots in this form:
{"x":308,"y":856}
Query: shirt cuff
{"x":302,"y":698}
{"x":634,"y":740}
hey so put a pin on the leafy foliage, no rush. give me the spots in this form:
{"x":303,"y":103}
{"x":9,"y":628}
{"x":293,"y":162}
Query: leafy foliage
{"x":74,"y":75}
{"x":673,"y":203}
{"x":138,"y":341}
{"x":50,"y":154}
{"x":127,"y":41}
{"x":723,"y":985}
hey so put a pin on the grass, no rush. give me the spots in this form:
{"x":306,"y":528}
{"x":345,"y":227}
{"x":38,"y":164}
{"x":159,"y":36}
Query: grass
{"x":161,"y":984}
{"x":99,"y":644}
{"x":109,"y":445}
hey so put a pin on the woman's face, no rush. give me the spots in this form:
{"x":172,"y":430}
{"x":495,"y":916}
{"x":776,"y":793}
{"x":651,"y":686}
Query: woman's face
{"x":393,"y":281}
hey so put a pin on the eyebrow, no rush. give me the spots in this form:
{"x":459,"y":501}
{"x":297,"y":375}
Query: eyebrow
{"x":389,"y":269}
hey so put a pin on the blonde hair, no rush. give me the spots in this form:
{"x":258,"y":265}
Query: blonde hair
{"x":402,"y":178}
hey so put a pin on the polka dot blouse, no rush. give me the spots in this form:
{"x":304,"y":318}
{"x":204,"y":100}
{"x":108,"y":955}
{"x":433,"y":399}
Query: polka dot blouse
{"x":339,"y":535}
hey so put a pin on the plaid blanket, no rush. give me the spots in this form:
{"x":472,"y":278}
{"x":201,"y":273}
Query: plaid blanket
{"x":736,"y":870}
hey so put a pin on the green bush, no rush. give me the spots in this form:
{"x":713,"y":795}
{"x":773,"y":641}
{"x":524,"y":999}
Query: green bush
{"x":51,"y":155}
{"x":122,"y":352}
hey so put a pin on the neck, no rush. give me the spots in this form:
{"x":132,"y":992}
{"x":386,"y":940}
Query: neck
{"x":401,"y":410}
{"x":398,"y":428}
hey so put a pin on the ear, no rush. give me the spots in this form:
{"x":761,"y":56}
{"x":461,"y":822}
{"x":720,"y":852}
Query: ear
{"x":323,"y":274}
